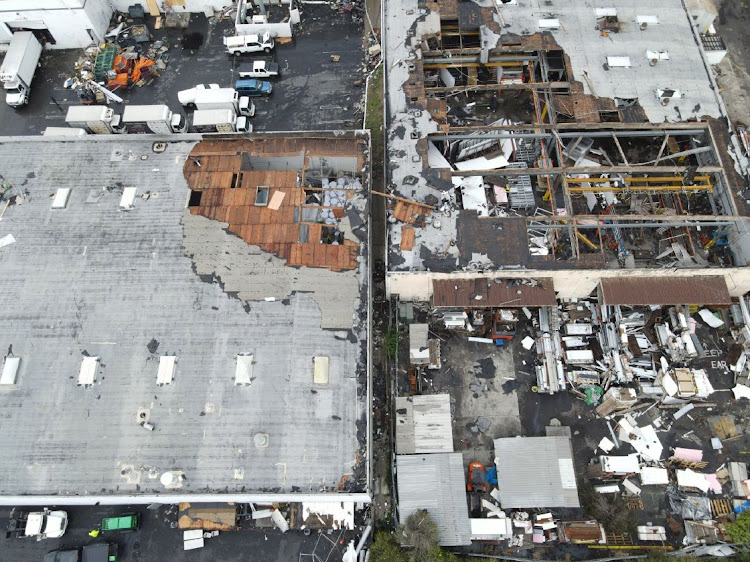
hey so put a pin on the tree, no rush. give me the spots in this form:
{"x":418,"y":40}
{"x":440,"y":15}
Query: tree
{"x":739,"y":531}
{"x":420,"y":532}
{"x":385,"y":548}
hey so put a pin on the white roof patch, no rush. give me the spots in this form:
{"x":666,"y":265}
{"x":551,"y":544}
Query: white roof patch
{"x":89,"y":368}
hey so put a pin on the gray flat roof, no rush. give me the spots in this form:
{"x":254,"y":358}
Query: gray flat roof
{"x":535,"y":472}
{"x":588,"y":51}
{"x":91,"y":279}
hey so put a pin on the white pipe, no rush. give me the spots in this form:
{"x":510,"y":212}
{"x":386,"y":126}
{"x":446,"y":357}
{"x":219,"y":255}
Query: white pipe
{"x":145,"y":499}
{"x":362,"y":541}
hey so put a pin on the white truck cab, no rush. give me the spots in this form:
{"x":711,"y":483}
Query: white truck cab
{"x":249,"y":43}
{"x":46,"y":524}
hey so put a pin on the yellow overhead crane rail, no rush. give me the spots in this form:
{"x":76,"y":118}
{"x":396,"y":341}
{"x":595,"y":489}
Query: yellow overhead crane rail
{"x":673,"y":184}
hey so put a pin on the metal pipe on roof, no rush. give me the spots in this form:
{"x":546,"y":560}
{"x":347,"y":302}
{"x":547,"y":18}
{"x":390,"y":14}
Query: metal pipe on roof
{"x":508,"y":172}
{"x":634,"y":225}
{"x":496,"y":58}
{"x":562,"y":134}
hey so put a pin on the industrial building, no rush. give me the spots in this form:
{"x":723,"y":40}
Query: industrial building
{"x":186,"y":319}
{"x":570,"y":142}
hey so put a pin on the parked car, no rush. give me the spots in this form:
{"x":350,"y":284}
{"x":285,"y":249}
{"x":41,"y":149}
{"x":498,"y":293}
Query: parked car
{"x":249,"y":43}
{"x":258,"y":69}
{"x":62,"y":556}
{"x":187,"y":97}
{"x":253,"y":87}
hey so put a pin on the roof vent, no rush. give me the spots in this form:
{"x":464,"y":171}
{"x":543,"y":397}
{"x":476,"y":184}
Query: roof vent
{"x":172,"y":479}
{"x":261,"y":440}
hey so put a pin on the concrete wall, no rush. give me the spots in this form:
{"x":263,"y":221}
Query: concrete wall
{"x":274,"y":29}
{"x":568,"y":283}
{"x":194,"y":6}
{"x":66,"y":20}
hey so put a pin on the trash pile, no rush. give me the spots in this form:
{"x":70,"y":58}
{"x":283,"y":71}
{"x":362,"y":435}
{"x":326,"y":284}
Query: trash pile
{"x":128,"y":59}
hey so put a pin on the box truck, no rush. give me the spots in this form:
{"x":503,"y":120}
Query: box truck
{"x":225,"y":98}
{"x":219,"y":121}
{"x":157,"y":119}
{"x":18,"y":67}
{"x":94,"y":119}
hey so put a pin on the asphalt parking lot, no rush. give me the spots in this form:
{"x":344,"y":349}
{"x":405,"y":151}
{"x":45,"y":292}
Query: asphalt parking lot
{"x":157,"y":541}
{"x":312,"y":93}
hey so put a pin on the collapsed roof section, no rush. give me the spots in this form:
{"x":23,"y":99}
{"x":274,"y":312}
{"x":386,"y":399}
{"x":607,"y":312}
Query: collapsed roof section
{"x":289,"y":196}
{"x":532,"y":153}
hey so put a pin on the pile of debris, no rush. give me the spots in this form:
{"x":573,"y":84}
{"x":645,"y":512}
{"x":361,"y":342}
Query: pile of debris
{"x":129,"y":59}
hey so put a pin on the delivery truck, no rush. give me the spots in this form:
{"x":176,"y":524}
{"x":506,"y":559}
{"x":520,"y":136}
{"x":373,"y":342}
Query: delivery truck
{"x":44,"y":524}
{"x":19,"y":66}
{"x":156,"y":119}
{"x":219,"y":121}
{"x":225,"y":98}
{"x":96,"y":119}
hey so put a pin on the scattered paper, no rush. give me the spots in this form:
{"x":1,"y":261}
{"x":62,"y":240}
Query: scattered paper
{"x":741,"y":391}
{"x":708,"y":317}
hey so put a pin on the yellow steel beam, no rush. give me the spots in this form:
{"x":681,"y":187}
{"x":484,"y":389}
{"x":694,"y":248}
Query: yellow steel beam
{"x":470,"y":65}
{"x":666,"y":188}
{"x":632,"y":179}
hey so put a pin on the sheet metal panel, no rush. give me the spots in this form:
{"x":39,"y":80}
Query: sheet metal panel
{"x":463,"y":293}
{"x":435,"y":482}
{"x":701,"y":289}
{"x":536,"y":472}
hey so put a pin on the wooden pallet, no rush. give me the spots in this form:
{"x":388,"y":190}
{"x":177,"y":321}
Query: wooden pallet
{"x":623,"y":539}
{"x":721,"y":507}
{"x":635,"y":504}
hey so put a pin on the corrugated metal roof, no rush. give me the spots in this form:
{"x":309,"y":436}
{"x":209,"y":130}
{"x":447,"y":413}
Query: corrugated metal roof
{"x":423,"y":424}
{"x":699,"y":289}
{"x":535,"y":472}
{"x":435,"y":483}
{"x":484,"y":292}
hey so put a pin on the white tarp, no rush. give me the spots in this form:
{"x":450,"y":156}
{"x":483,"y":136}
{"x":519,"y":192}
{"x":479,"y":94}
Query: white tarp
{"x":483,"y":163}
{"x":654,"y":476}
{"x":690,"y":479}
{"x":741,"y":391}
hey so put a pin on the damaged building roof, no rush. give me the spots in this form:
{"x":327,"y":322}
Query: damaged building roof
{"x":495,"y":292}
{"x":423,"y":424}
{"x":130,"y":276}
{"x":536,"y":472}
{"x":531,"y":137}
{"x":435,"y":483}
{"x":702,"y":289}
